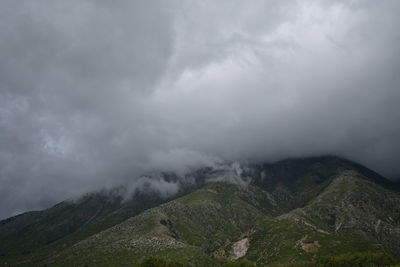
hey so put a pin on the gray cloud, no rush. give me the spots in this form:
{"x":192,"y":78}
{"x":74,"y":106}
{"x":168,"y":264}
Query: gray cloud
{"x":94,"y":93}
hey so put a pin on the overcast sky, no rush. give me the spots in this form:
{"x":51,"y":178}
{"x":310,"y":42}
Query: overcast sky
{"x":93,"y":92}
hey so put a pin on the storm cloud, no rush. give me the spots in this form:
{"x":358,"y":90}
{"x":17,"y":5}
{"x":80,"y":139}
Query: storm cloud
{"x":94,"y":93}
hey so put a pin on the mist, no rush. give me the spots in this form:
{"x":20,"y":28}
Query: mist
{"x":94,"y":94}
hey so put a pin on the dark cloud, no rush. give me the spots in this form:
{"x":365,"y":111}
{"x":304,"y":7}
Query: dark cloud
{"x":93,"y":93}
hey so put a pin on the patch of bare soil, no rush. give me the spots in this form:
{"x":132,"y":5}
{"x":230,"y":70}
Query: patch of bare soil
{"x":239,"y":248}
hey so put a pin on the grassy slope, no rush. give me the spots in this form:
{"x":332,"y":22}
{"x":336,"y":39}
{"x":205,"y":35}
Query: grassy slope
{"x":353,"y":206}
{"x":281,"y":241}
{"x":65,"y":224}
{"x":35,"y":235}
{"x":42,"y":228}
{"x":352,"y":214}
{"x":196,"y":224}
{"x":192,"y":228}
{"x":324,"y":203}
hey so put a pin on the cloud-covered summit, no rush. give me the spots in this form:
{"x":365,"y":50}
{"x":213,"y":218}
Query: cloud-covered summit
{"x":94,"y":93}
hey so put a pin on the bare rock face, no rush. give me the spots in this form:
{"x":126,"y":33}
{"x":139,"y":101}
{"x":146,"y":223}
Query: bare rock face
{"x":239,"y":248}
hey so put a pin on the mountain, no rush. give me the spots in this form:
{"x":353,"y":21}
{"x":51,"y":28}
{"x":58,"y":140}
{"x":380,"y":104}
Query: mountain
{"x":295,"y":212}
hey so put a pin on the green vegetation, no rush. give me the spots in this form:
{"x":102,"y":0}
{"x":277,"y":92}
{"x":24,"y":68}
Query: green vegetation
{"x":347,"y":260}
{"x":157,"y":262}
{"x":240,"y":263}
{"x":320,"y":213}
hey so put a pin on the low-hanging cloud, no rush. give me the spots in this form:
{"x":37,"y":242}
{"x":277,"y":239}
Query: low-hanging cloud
{"x":94,"y":93}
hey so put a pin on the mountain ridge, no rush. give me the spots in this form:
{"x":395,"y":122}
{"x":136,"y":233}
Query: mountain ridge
{"x":289,"y":194}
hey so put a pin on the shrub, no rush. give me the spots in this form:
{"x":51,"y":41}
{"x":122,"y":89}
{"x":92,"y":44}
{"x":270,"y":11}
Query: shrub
{"x":158,"y":262}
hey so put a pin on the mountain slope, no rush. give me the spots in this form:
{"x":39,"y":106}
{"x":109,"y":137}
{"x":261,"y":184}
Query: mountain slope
{"x":294,"y":210}
{"x":73,"y":219}
{"x":352,"y":205}
{"x":294,"y":182}
{"x":202,"y":221}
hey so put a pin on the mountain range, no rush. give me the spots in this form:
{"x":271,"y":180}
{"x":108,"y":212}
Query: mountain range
{"x":319,"y":211}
